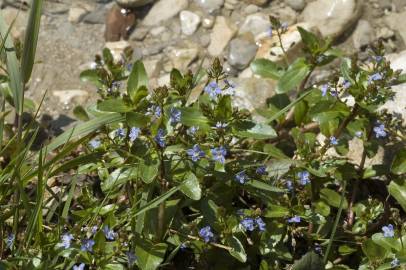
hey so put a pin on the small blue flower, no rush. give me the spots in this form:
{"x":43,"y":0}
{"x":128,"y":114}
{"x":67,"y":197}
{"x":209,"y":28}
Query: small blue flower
{"x":289,"y":185}
{"x":66,"y":240}
{"x":131,"y":257}
{"x":324,"y":89}
{"x":395,"y":263}
{"x":87,"y":245}
{"x":248,"y":224}
{"x":333,"y":140}
{"x":109,"y":233}
{"x":120,"y":133}
{"x":333,"y":92}
{"x":183,"y":246}
{"x":192,"y":130}
{"x":346,"y":84}
{"x":380,"y":131}
{"x":94,"y":229}
{"x":219,"y":154}
{"x":261,"y":170}
{"x":375,"y":77}
{"x":115,"y":86}
{"x":206,"y":234}
{"x":94,"y":144}
{"x":220,"y":125}
{"x":155,"y":111}
{"x":79,"y":267}
{"x":261,"y":224}
{"x":304,"y":178}
{"x":388,"y":231}
{"x":241,"y":177}
{"x":174,"y":116}
{"x":160,"y":138}
{"x":10,"y":240}
{"x":294,"y":219}
{"x":230,"y":88}
{"x":284,"y":26}
{"x":134,"y":133}
{"x":378,"y":58}
{"x":195,"y":153}
{"x":358,"y":134}
{"x":213,"y":90}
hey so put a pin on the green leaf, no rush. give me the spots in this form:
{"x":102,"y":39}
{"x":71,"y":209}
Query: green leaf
{"x":310,"y":261}
{"x":276,"y":211}
{"x":135,"y":119}
{"x":332,"y":198}
{"x":80,"y":113}
{"x":150,"y":256}
{"x":238,"y":250}
{"x":194,"y":117}
{"x":191,"y":187}
{"x":399,"y":163}
{"x":138,"y":77}
{"x":148,"y":169}
{"x":264,"y":186}
{"x":31,"y":39}
{"x":309,"y":39}
{"x":389,"y":243}
{"x":275,"y":152}
{"x":113,"y":105}
{"x":296,"y":73}
{"x":266,"y":69}
{"x":398,"y":191}
{"x":117,"y":178}
{"x":91,"y":76}
{"x":259,"y":131}
{"x":372,"y":250}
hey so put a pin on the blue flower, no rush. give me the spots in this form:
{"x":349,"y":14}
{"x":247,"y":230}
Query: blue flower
{"x":284,"y":26}
{"x":174,"y":116}
{"x":66,"y":240}
{"x":333,"y":92}
{"x":294,"y":219}
{"x":380,"y":131}
{"x":395,"y":263}
{"x":192,"y":130}
{"x":109,"y":233}
{"x":131,"y":257}
{"x":120,"y":133}
{"x":134,"y":133}
{"x":115,"y":86}
{"x":388,"y":231}
{"x":220,"y":125}
{"x":219,"y":154}
{"x":324,"y":89}
{"x":195,"y":153}
{"x":160,"y":138}
{"x":206,"y":234}
{"x":375,"y":77}
{"x":248,"y":224}
{"x":261,"y":170}
{"x":346,"y":84}
{"x":304,"y":178}
{"x":94,"y":229}
{"x":10,"y":240}
{"x":289,"y":185}
{"x":261,"y":224}
{"x":378,"y":58}
{"x":213,"y":90}
{"x":79,"y":267}
{"x":87,"y":245}
{"x":155,"y":111}
{"x":333,"y":140}
{"x":230,"y":88}
{"x":358,"y":134}
{"x":94,"y":144}
{"x":241,"y":177}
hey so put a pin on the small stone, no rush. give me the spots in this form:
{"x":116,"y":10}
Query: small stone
{"x":258,"y":2}
{"x":286,"y":15}
{"x":164,"y":10}
{"x":189,"y":22}
{"x":230,"y":4}
{"x":363,"y":34}
{"x":156,"y":31}
{"x":139,"y":33}
{"x":385,"y":33}
{"x":182,"y":58}
{"x":223,"y":32}
{"x":133,"y":3}
{"x":76,"y":14}
{"x":208,"y":22}
{"x":242,"y":50}
{"x":297,"y":5}
{"x":257,"y":24}
{"x":117,"y":49}
{"x":211,"y":5}
{"x":66,"y":96}
{"x":97,"y":16}
{"x":250,"y":9}
{"x":204,"y":40}
{"x":152,"y":67}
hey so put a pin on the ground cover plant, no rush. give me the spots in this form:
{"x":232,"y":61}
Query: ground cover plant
{"x":177,"y":177}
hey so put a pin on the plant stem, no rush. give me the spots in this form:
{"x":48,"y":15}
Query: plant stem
{"x":161,"y":209}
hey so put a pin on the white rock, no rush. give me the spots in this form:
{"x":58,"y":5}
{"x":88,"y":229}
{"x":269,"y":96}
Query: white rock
{"x":164,"y":80}
{"x":251,"y":9}
{"x":76,"y":14}
{"x":297,"y":5}
{"x":66,"y":96}
{"x":208,"y":22}
{"x":396,"y":21}
{"x":332,"y":17}
{"x":257,"y":24}
{"x":363,"y":34}
{"x":223,"y":32}
{"x":210,"y":5}
{"x":156,"y":31}
{"x":189,"y":22}
{"x":164,"y":10}
{"x":181,"y":58}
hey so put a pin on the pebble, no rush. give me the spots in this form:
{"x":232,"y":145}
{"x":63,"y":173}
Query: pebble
{"x":76,"y":14}
{"x":363,"y":34}
{"x":384,"y":33}
{"x":208,"y":22}
{"x":250,"y":9}
{"x":230,"y":4}
{"x":133,"y":3}
{"x":241,"y":51}
{"x":164,"y":10}
{"x":156,"y":31}
{"x":297,"y":5}
{"x":211,"y":5}
{"x":96,"y":16}
{"x":66,"y":96}
{"x":257,"y":24}
{"x":139,"y":33}
{"x":332,"y":17}
{"x":189,"y":22}
{"x":259,"y":2}
{"x":223,"y":32}
{"x":182,"y":58}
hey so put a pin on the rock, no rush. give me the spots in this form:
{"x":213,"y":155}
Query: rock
{"x":332,"y":17}
{"x":119,"y":23}
{"x":156,"y":31}
{"x":258,"y":2}
{"x":204,"y":40}
{"x":242,"y":50}
{"x":20,"y":19}
{"x":133,"y":3}
{"x":182,"y":58}
{"x":66,"y":96}
{"x":152,"y":67}
{"x":285,"y":14}
{"x":257,"y":24}
{"x":189,"y":21}
{"x":230,"y":4}
{"x":396,"y":22}
{"x":223,"y":32}
{"x":210,"y":5}
{"x":97,"y":16}
{"x":164,"y":10}
{"x":208,"y":22}
{"x":117,"y":49}
{"x":164,"y":80}
{"x":363,"y":34}
{"x":385,"y":33}
{"x":76,"y":14}
{"x":297,"y":5}
{"x":250,"y":9}
{"x":139,"y":33}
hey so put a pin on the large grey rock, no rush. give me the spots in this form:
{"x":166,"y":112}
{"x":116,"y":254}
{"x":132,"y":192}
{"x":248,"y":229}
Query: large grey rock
{"x":363,"y":34}
{"x":210,"y":5}
{"x":223,"y":32}
{"x":242,"y":50}
{"x":189,"y":22}
{"x":164,"y":10}
{"x":133,"y":3}
{"x":332,"y":17}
